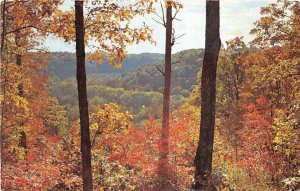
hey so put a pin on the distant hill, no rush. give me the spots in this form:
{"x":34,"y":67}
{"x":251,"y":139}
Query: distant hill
{"x":137,"y":87}
{"x":184,"y":73}
{"x":138,"y":71}
{"x":63,"y":64}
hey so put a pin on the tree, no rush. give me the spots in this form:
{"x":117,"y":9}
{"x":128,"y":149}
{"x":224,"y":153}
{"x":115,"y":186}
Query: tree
{"x":163,"y":169}
{"x":230,"y":76}
{"x":82,"y":98}
{"x":279,"y":25}
{"x":28,"y":169}
{"x":115,"y":34}
{"x":257,"y":149}
{"x":164,"y":150}
{"x":203,"y":159}
{"x":272,"y":72}
{"x":17,"y":38}
{"x":23,"y":139}
{"x":22,"y":22}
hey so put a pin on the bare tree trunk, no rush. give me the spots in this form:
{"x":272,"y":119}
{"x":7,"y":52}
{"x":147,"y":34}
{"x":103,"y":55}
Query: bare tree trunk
{"x":163,"y":168}
{"x":82,"y":98}
{"x":203,"y":159}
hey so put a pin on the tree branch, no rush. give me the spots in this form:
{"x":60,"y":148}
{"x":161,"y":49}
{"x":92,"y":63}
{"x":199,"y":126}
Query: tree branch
{"x":163,"y":13}
{"x":160,"y":70}
{"x":174,"y":17}
{"x":163,"y":24}
{"x":174,"y":37}
{"x":18,"y":29}
{"x":162,"y":18}
{"x":179,"y":60}
{"x":178,"y":37}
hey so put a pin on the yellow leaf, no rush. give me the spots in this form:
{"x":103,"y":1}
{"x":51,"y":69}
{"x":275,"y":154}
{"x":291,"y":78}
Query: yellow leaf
{"x":118,"y":66}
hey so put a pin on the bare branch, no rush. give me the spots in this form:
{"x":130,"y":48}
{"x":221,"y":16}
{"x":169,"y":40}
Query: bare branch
{"x":177,"y":43}
{"x":177,"y":10}
{"x":163,"y":12}
{"x":179,"y":59}
{"x":174,"y":37}
{"x":160,"y":70}
{"x":163,"y":24}
{"x":159,"y":16}
{"x":162,"y":18}
{"x":178,"y":37}
{"x":176,"y":19}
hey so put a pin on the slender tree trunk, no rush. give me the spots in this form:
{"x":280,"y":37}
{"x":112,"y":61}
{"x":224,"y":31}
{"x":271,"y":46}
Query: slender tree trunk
{"x":82,"y":98}
{"x":3,"y":75}
{"x":23,"y":138}
{"x":3,"y":31}
{"x":203,"y":159}
{"x":20,"y":86}
{"x":163,"y":168}
{"x":236,"y":150}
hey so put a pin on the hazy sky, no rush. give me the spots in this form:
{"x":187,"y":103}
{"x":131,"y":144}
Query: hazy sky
{"x":237,"y":18}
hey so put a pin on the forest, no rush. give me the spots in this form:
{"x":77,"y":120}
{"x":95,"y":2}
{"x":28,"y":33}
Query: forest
{"x":224,"y":117}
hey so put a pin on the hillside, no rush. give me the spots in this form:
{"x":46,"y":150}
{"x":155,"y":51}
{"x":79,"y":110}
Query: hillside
{"x":63,"y":64}
{"x":137,"y":89}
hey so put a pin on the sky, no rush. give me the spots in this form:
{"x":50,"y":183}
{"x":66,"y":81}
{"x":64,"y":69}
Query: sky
{"x":237,"y":18}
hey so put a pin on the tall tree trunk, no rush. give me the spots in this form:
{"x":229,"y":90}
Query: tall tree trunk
{"x":3,"y":31}
{"x":203,"y":159}
{"x":82,"y":98}
{"x":3,"y":75}
{"x":163,"y":168}
{"x":23,"y":138}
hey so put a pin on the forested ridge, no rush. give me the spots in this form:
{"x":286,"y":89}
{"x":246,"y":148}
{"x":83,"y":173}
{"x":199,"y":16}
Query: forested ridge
{"x":138,"y":90}
{"x":225,"y":118}
{"x":62,"y":65}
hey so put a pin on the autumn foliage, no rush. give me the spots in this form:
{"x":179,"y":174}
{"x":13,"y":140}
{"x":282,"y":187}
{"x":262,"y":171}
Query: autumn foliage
{"x":257,"y":130}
